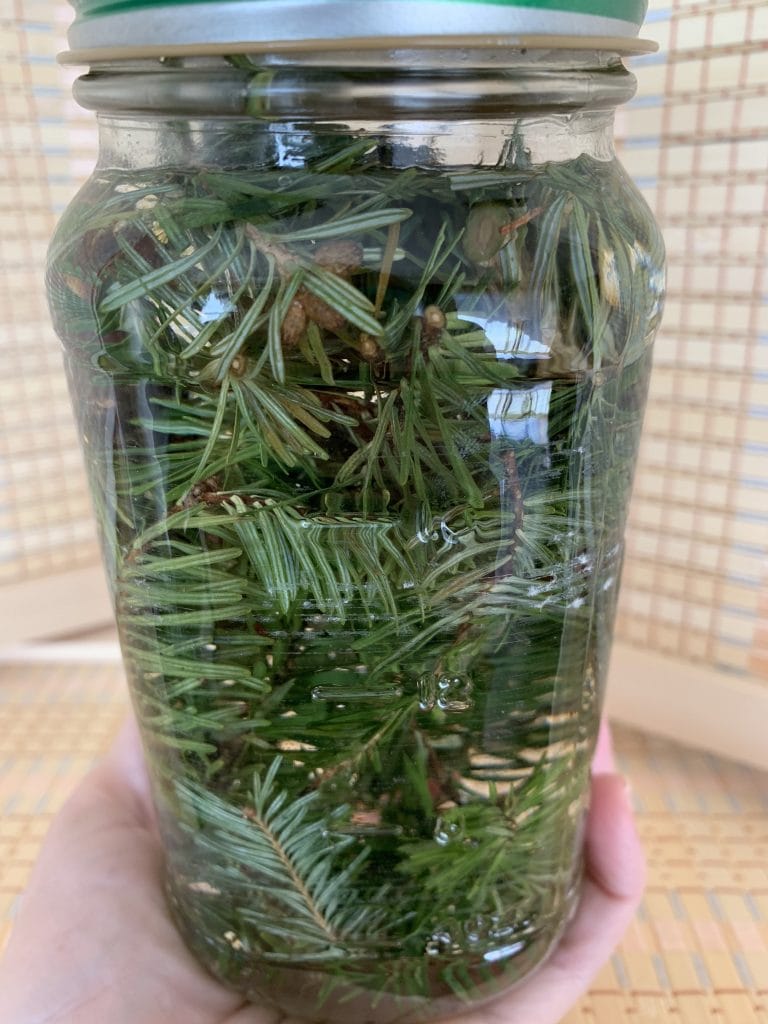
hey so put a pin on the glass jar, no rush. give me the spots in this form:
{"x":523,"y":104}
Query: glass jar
{"x":359,"y":344}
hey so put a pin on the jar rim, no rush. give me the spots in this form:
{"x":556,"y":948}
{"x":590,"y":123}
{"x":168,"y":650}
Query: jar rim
{"x":612,"y":44}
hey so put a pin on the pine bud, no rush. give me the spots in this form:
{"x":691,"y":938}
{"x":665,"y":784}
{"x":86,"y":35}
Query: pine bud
{"x":369,"y":348}
{"x":319,"y":312}
{"x":294,"y":324}
{"x":342,"y":257}
{"x":434,"y":319}
{"x":238,"y":366}
{"x":484,"y":235}
{"x":432,"y":326}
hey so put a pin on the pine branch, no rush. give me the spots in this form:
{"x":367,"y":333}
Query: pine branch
{"x":324,"y":502}
{"x":276,"y":846}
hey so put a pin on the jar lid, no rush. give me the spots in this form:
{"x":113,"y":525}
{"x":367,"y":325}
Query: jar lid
{"x":106,"y":29}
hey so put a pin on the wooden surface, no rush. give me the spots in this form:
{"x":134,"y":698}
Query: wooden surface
{"x":697,"y":953}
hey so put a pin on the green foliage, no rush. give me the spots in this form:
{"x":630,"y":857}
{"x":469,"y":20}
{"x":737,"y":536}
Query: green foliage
{"x":287,"y":865}
{"x":361,"y":444}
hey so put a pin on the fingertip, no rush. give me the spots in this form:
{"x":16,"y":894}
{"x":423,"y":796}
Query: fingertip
{"x":615,"y":858}
{"x":612,"y":888}
{"x":126,"y":748}
{"x":124,"y":765}
{"x":603,"y":759}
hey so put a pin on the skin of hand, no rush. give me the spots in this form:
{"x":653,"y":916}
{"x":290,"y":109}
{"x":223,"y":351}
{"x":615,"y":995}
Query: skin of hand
{"x":93,"y":942}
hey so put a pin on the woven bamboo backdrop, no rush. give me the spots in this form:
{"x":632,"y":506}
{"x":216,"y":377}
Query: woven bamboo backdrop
{"x":696,"y":141}
{"x":47,"y":148}
{"x":697,"y":952}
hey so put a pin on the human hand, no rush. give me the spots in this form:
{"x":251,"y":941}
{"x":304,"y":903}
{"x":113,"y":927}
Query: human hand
{"x":93,"y":942}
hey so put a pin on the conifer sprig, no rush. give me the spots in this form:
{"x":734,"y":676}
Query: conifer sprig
{"x":361,"y":444}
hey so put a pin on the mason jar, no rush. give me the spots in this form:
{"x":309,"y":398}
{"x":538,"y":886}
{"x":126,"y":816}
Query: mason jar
{"x":357,"y":311}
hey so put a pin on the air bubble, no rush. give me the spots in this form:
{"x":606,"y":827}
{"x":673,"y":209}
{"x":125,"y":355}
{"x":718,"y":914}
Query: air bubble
{"x":438,"y":944}
{"x":449,"y":693}
{"x":454,"y":693}
{"x":427,"y":692}
{"x":445,"y":832}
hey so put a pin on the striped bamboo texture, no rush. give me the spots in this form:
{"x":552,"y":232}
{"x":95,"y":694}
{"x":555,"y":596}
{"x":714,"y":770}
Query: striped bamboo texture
{"x":696,"y":954}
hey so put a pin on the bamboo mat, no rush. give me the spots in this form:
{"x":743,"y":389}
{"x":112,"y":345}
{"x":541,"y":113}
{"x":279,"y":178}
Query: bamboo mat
{"x":697,"y":953}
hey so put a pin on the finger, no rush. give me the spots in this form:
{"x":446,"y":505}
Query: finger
{"x":124,"y":769}
{"x":603,"y":759}
{"x":612,"y":889}
{"x":126,"y":755}
{"x":95,"y":904}
{"x":614,"y":856}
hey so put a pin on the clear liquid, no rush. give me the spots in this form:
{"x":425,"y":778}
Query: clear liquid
{"x":365,"y":607}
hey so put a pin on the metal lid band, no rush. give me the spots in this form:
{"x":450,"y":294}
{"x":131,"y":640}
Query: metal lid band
{"x":239,"y":25}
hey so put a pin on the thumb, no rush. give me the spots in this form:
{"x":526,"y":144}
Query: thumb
{"x":614,"y":877}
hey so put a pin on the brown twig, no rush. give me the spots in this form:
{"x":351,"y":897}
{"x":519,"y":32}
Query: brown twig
{"x":507,"y":229}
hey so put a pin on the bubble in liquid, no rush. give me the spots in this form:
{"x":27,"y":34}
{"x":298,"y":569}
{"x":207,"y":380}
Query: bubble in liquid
{"x":426,"y":691}
{"x":476,"y":931}
{"x":451,"y":693}
{"x":445,"y":832}
{"x":454,"y":693}
{"x":439,"y":943}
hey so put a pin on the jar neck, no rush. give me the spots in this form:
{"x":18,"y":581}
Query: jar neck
{"x":401,"y":84}
{"x":135,"y":143}
{"x":453,"y":107}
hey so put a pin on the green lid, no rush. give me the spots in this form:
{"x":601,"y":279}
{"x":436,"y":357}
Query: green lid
{"x":119,"y":26}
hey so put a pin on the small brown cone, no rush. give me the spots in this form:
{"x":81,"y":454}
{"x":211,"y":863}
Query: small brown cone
{"x":370,"y":349}
{"x":319,"y":312}
{"x":294,"y":324}
{"x":342,"y":257}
